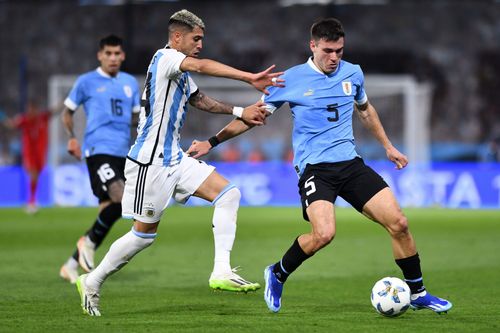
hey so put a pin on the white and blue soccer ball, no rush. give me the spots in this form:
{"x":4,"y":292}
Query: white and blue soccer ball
{"x":391,"y":296}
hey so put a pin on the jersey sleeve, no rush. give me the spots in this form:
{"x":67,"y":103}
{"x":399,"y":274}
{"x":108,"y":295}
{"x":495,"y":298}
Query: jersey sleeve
{"x":360,"y":98}
{"x":193,"y":88}
{"x":171,"y":62}
{"x":275,"y":99}
{"x":76,"y":95}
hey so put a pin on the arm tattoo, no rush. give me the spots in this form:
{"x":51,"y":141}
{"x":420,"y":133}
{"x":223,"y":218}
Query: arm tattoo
{"x":362,"y":107}
{"x":362,"y":110}
{"x":205,"y":103}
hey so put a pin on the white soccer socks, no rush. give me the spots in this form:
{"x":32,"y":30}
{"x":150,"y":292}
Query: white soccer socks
{"x":224,"y":227}
{"x":119,"y":254}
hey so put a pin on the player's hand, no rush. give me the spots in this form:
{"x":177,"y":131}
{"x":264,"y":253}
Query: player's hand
{"x":395,"y":156}
{"x":74,"y":148}
{"x":265,"y":79}
{"x":199,"y":148}
{"x":255,"y":114}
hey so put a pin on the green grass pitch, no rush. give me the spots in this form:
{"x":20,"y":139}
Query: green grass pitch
{"x":165,"y":288}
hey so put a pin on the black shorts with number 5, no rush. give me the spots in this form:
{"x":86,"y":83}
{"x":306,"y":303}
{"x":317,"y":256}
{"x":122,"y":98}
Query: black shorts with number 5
{"x":352,"y":180}
{"x":103,"y":170}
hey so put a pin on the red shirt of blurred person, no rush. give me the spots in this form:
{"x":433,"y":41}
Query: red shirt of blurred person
{"x":34,"y":130}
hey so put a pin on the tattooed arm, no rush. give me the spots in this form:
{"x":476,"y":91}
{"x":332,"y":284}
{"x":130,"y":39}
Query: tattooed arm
{"x":254,"y":114}
{"x":208,"y":104}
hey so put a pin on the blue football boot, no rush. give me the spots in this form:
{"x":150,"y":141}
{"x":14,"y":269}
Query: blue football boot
{"x":427,"y":301}
{"x":273,"y":290}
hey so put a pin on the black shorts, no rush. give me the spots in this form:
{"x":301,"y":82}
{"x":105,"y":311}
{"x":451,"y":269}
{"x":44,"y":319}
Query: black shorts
{"x":352,"y":180}
{"x":103,"y":170}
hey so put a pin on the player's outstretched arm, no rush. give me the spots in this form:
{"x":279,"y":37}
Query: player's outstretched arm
{"x":73,"y":146}
{"x":254,"y":114}
{"x":231,"y":130}
{"x":370,"y":120}
{"x":259,"y":80}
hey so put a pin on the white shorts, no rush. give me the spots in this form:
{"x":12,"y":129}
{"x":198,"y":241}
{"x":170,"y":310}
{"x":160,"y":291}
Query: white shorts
{"x":148,"y":188}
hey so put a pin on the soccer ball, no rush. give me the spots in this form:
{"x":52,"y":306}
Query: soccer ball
{"x":391,"y":296}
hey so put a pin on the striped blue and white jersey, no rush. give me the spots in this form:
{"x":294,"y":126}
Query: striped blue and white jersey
{"x":163,"y":110}
{"x":322,"y":106}
{"x":108,"y":103}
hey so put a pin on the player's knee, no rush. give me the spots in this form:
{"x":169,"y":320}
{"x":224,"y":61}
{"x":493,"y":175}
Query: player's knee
{"x":230,"y":195}
{"x":115,"y":191}
{"x":323,"y":237}
{"x":400,"y":227}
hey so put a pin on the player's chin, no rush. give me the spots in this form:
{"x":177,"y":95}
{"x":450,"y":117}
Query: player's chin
{"x":113,"y":69}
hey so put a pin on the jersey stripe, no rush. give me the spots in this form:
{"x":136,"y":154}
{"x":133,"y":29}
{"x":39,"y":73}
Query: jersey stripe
{"x":172,"y":151}
{"x":139,"y":194}
{"x":158,"y":135}
{"x":171,"y":128}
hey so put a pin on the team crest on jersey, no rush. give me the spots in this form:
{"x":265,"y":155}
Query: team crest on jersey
{"x":347,"y":87}
{"x":101,"y":89}
{"x":128,"y":91}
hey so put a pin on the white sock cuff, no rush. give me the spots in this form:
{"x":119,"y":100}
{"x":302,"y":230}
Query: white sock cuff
{"x":143,"y":234}
{"x":228,"y":194}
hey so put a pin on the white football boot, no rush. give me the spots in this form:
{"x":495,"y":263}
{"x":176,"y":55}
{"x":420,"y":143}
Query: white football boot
{"x":88,"y":296}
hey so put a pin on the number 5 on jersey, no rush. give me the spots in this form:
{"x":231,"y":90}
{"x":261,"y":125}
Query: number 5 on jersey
{"x":335,"y":112}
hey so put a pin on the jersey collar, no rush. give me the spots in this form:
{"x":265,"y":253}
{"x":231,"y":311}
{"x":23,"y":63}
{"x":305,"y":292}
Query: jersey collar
{"x":106,"y":75}
{"x":311,"y":63}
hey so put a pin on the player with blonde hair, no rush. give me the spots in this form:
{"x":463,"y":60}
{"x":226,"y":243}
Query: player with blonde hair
{"x":157,"y":169}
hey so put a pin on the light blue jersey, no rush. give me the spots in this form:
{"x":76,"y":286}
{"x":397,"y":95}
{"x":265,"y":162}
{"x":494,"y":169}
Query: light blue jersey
{"x":108,"y":103}
{"x":322,"y":107}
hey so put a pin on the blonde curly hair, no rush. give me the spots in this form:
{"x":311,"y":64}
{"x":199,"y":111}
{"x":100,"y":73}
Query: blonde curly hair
{"x":186,"y":18}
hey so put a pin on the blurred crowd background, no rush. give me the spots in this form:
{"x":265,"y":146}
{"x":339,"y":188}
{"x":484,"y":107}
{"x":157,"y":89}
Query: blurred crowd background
{"x":453,"y":45}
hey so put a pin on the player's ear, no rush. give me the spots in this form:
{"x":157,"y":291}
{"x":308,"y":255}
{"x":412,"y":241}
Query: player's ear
{"x":312,"y":45}
{"x":177,"y":36}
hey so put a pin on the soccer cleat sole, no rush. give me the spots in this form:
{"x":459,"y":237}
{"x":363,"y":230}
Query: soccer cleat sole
{"x":439,"y":312}
{"x":220,"y":286}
